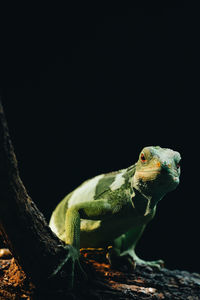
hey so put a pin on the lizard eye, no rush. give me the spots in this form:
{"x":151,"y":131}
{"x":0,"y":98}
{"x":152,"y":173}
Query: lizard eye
{"x":142,"y":157}
{"x":178,"y":165}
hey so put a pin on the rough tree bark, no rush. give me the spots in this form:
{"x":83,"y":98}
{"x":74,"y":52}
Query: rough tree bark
{"x":48,"y":262}
{"x":36,"y":248}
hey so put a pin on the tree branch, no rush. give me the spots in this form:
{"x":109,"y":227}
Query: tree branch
{"x":106,"y":283}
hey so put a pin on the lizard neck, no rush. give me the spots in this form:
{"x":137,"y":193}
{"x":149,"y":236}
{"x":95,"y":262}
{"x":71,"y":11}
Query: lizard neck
{"x":151,"y":189}
{"x":145,"y":196}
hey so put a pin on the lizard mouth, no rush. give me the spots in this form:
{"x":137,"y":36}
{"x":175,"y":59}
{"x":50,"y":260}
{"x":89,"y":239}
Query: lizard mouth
{"x":157,"y":171}
{"x":165,"y":176}
{"x":150,"y":170}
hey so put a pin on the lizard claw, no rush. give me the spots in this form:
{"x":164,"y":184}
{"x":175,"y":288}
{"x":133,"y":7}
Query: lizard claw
{"x":157,"y":264}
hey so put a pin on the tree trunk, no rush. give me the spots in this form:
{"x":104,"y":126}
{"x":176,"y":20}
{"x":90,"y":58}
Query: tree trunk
{"x":36,"y":248}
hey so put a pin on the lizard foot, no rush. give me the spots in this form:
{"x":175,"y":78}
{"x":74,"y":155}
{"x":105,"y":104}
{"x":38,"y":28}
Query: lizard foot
{"x":157,"y":264}
{"x":70,"y":268}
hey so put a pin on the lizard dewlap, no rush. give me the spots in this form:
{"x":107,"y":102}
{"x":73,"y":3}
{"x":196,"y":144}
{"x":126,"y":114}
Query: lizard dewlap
{"x":113,"y":209}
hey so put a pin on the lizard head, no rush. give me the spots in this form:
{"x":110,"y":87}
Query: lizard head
{"x":157,"y":170}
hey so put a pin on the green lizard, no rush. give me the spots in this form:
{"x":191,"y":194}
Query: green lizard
{"x":113,"y":209}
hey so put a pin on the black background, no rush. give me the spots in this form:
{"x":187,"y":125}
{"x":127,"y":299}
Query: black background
{"x":84,"y":91}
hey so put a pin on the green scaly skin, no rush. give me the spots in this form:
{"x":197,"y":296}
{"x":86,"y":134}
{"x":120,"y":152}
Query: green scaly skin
{"x":113,"y":209}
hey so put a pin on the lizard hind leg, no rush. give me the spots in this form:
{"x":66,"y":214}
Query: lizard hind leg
{"x":130,"y":241}
{"x":123,"y":263}
{"x":123,"y":251}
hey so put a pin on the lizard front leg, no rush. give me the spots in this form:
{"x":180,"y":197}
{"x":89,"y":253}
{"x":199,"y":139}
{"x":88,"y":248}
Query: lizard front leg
{"x":95,"y":210}
{"x":92,"y":210}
